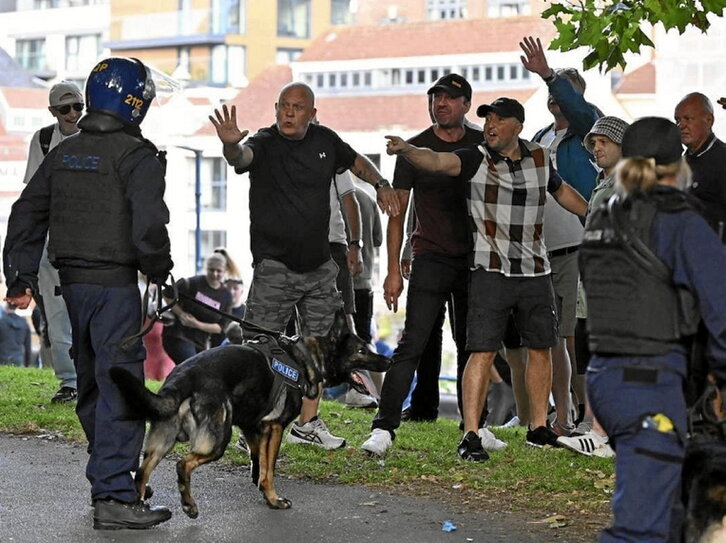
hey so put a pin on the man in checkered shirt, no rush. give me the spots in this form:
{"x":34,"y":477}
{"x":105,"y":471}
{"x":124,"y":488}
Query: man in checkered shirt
{"x":508,"y":180}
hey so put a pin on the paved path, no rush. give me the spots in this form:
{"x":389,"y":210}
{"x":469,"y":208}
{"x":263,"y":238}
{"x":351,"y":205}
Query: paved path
{"x":44,"y":497}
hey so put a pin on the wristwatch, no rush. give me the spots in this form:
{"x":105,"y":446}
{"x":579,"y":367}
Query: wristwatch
{"x":382,"y":184}
{"x":358,"y":243}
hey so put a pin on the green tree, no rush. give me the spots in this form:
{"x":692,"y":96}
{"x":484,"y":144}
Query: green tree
{"x":611,"y":28}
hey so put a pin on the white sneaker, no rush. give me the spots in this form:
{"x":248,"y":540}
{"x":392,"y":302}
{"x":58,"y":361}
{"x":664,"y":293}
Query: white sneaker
{"x":512,"y":423}
{"x":378,"y":442}
{"x":241,"y":444}
{"x":586,"y":444}
{"x":353,"y":398}
{"x":314,"y":432}
{"x":489,"y":441}
{"x":604,"y":451}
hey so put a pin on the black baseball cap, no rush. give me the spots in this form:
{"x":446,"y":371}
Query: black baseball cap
{"x":504,"y":107}
{"x":653,"y":137}
{"x":454,"y":85}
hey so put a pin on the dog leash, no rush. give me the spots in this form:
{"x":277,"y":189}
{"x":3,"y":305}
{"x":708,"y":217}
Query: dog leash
{"x":156,"y":317}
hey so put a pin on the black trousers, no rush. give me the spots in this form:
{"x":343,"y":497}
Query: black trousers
{"x":435,"y":279}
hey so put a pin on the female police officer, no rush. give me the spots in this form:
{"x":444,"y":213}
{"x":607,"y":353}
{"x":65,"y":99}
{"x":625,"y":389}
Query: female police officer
{"x":651,"y":267}
{"x":99,"y":195}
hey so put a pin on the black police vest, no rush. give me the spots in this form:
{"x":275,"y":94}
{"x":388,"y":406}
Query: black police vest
{"x":633,"y":307}
{"x":90,"y":218}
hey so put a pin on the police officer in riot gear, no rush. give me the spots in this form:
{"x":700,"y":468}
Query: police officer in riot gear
{"x":99,"y":197}
{"x":651,"y":267}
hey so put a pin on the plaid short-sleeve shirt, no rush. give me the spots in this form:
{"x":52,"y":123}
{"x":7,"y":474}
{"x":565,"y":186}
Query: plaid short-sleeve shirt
{"x":506,"y":204}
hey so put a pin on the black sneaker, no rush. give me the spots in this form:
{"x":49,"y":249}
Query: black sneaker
{"x":114,"y":515}
{"x":65,"y":395}
{"x":470,"y":448}
{"x":541,"y":437}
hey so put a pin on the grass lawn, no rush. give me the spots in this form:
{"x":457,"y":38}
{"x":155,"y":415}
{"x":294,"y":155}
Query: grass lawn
{"x":554,"y":485}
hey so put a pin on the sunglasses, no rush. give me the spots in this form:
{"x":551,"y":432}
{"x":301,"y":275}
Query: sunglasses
{"x":66,"y":109}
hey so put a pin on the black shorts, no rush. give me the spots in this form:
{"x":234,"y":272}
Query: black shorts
{"x":493,"y":296}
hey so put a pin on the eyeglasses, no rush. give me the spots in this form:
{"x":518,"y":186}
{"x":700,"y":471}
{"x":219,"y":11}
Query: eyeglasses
{"x":66,"y":109}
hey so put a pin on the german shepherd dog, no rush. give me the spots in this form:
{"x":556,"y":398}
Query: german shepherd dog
{"x":240,"y":385}
{"x":704,"y":469}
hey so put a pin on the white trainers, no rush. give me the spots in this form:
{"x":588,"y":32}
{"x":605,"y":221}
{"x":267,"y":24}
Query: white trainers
{"x":512,"y":423}
{"x":353,"y":398}
{"x":314,"y":432}
{"x":378,"y":442}
{"x":605,"y":451}
{"x":489,"y":441}
{"x":241,"y":444}
{"x":585,"y":444}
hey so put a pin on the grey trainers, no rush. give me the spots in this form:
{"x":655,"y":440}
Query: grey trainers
{"x":378,"y":442}
{"x":314,"y":432}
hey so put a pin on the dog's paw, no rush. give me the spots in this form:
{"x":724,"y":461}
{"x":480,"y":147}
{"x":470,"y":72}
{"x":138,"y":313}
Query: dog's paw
{"x":280,"y":503}
{"x":191,"y":510}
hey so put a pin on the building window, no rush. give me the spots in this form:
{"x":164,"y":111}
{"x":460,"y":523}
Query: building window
{"x":509,"y":8}
{"x":445,"y":9}
{"x":82,"y":51}
{"x":30,"y":54}
{"x":210,"y":240}
{"x":293,"y":18}
{"x":340,"y":12}
{"x":214,"y":184}
{"x":228,"y":16}
{"x":228,"y":65}
{"x":284,"y":56}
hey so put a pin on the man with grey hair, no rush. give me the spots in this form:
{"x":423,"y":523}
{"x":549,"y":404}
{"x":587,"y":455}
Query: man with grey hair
{"x":66,"y":105}
{"x":290,"y":165}
{"x":706,"y":155}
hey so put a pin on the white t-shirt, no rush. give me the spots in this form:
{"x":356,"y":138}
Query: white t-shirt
{"x":336,"y":230}
{"x":561,"y":228}
{"x":35,"y":153}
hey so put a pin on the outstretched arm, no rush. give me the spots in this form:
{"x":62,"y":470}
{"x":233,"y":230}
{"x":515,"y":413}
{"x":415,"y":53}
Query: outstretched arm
{"x":570,"y":199}
{"x":722,"y":101}
{"x":424,"y":159}
{"x":225,"y":122}
{"x":364,"y":169}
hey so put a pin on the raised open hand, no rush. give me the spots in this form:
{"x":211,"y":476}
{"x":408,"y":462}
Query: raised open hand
{"x":225,"y":122}
{"x":534,"y":59}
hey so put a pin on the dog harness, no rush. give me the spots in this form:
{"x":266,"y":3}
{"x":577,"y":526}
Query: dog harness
{"x":288,"y":370}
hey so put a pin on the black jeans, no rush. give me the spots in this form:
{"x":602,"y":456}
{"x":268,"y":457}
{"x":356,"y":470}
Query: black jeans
{"x":435,"y":279}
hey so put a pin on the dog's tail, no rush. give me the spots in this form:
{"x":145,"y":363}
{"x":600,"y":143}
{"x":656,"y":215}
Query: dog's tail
{"x":141,"y":402}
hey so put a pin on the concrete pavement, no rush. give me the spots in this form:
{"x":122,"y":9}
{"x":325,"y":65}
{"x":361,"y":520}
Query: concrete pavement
{"x":44,"y":497}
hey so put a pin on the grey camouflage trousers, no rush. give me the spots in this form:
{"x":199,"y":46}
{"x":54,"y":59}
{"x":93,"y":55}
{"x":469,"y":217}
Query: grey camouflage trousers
{"x":277,"y":292}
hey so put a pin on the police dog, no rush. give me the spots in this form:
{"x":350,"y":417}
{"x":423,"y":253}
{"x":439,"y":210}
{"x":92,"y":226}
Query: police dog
{"x":245,"y":386}
{"x":704,"y":469}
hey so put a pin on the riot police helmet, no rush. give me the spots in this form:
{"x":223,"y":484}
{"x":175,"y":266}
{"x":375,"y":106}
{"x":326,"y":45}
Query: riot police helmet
{"x":120,"y":87}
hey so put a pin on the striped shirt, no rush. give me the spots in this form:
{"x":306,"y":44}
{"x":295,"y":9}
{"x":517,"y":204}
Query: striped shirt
{"x":506,"y":206}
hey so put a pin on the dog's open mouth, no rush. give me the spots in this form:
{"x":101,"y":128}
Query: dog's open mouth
{"x":361,"y":383}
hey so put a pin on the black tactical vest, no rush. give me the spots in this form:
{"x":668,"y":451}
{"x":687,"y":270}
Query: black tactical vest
{"x":90,"y":218}
{"x":633,"y":306}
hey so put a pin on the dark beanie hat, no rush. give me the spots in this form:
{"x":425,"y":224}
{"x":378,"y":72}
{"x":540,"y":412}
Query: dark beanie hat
{"x":653,"y":137}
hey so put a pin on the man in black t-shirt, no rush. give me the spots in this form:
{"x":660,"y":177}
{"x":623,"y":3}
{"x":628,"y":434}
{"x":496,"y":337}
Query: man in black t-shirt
{"x":290,"y":165}
{"x":441,"y":245}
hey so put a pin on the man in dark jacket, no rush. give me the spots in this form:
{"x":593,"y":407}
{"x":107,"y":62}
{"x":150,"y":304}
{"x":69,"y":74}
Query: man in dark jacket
{"x":99,"y":197}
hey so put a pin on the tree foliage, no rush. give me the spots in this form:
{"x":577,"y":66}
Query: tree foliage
{"x":612,"y":28}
